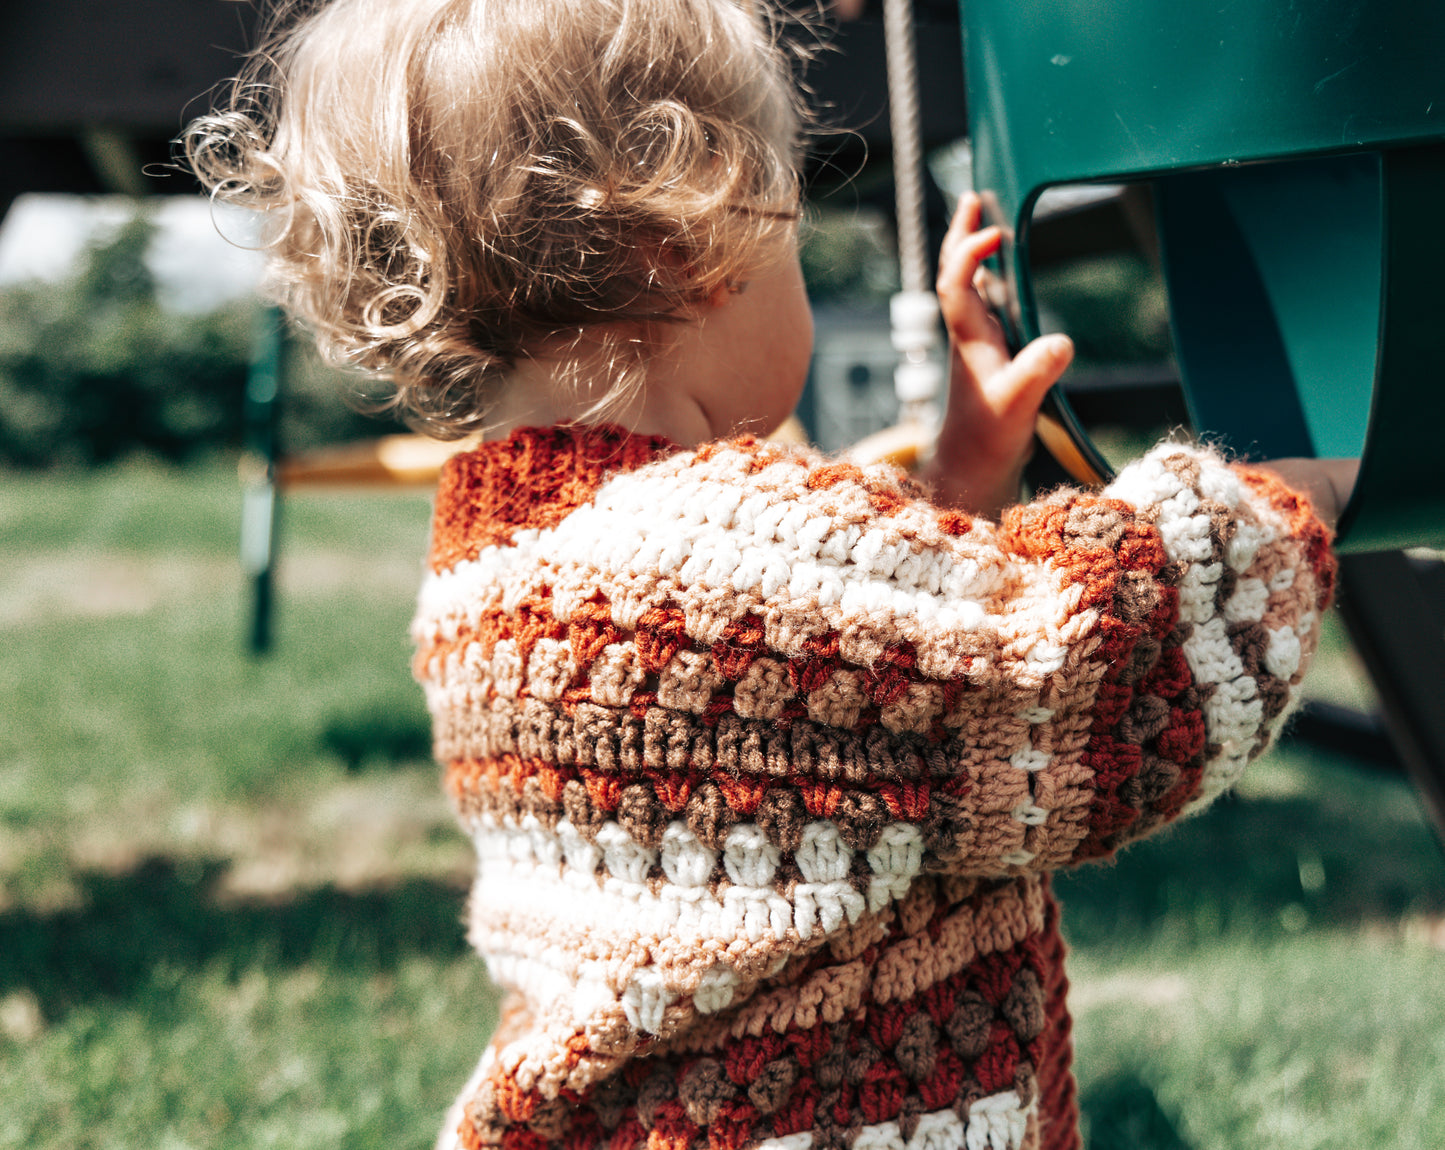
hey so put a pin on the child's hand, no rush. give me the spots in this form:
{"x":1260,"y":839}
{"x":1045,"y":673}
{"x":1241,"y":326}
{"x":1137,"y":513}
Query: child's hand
{"x":1327,"y":482}
{"x":993,"y":400}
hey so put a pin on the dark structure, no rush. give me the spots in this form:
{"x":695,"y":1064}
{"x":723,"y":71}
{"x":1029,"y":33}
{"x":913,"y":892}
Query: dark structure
{"x":92,"y":94}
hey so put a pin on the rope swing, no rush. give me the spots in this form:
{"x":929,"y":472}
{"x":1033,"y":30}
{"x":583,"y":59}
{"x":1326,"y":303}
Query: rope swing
{"x":918,"y":378}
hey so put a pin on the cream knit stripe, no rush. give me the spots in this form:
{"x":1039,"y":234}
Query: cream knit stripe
{"x":997,"y":1122}
{"x":702,"y":890}
{"x":549,"y":931}
{"x":1176,"y":482}
{"x":801,"y":560}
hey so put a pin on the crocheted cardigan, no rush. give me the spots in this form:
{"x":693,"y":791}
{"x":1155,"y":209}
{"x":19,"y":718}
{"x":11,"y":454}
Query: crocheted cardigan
{"x":766,"y":760}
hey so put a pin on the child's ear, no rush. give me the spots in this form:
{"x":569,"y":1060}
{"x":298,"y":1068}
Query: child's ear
{"x":726,"y":291}
{"x":665,"y":259}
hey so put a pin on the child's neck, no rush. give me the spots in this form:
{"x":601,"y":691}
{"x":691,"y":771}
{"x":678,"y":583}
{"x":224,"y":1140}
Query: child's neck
{"x":538,"y":393}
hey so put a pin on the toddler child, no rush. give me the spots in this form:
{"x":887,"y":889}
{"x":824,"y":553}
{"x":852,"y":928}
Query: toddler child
{"x":766,"y":756}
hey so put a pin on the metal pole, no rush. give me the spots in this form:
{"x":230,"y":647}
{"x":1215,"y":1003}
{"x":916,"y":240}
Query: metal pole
{"x":260,"y":499}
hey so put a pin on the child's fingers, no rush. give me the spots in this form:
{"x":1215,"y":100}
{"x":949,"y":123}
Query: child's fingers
{"x":1019,"y":387}
{"x":990,"y":287}
{"x":960,"y":252}
{"x":966,"y":218}
{"x":958,"y":270}
{"x":971,"y":326}
{"x":975,"y":333}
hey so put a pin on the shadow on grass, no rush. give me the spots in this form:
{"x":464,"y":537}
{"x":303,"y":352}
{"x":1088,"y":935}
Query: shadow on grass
{"x":378,"y":737}
{"x":164,"y":913}
{"x":1123,"y":1114}
{"x":1349,"y":855}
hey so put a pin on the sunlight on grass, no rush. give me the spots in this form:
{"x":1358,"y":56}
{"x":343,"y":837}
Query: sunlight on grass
{"x":298,"y":1058}
{"x":1320,"y":1040}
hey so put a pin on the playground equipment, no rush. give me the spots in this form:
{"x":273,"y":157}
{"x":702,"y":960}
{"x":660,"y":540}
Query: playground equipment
{"x":1297,"y":160}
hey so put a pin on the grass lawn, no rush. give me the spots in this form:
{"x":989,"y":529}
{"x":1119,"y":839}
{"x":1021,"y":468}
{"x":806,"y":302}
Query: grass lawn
{"x":230,"y":893}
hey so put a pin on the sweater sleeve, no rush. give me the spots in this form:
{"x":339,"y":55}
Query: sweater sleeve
{"x":1204,"y":584}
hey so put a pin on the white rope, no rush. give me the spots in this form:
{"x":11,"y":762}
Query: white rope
{"x":914,"y":310}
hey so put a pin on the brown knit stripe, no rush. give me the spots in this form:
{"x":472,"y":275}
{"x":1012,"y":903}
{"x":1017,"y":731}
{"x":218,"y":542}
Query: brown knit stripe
{"x":870,"y":665}
{"x":627,"y":746}
{"x":651,"y":736}
{"x":532,"y":479}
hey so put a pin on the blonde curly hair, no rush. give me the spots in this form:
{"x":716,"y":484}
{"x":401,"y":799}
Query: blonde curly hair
{"x":449,"y":185}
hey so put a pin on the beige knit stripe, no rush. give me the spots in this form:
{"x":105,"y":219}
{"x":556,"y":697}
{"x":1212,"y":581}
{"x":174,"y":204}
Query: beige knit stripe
{"x":518,"y":932}
{"x":541,"y":1059}
{"x":1031,"y":1130}
{"x":527,"y":920}
{"x":987,"y":653}
{"x":829,"y":994}
{"x":993,"y":922}
{"x":463,"y":670}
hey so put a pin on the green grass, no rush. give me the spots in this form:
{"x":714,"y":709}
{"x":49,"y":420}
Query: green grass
{"x":230,"y":892}
{"x":301,"y":1057}
{"x":127,"y":688}
{"x":1270,"y":972}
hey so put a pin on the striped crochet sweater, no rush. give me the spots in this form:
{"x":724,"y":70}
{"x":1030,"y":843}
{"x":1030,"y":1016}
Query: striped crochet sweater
{"x":766,"y":760}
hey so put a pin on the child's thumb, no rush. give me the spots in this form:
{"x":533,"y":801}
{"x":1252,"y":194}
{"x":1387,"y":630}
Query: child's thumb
{"x":1036,"y":369}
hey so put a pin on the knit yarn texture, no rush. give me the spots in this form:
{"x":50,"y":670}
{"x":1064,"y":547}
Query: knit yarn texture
{"x":766,"y":760}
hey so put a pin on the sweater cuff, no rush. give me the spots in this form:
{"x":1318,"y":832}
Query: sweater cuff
{"x":1255,"y":574}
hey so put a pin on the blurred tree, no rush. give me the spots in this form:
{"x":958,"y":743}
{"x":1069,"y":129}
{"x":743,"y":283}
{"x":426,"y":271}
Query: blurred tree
{"x":93,"y":368}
